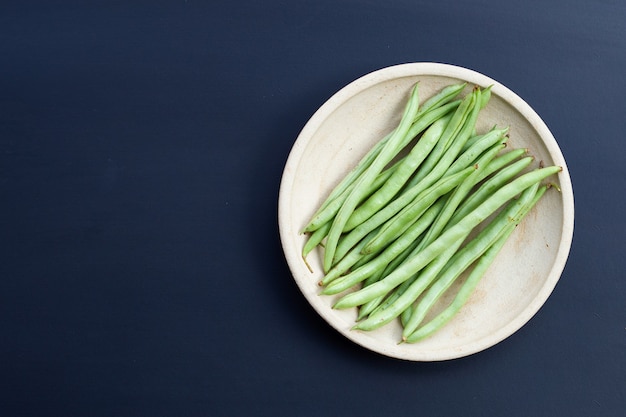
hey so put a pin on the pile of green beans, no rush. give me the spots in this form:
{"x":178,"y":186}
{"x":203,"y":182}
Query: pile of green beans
{"x":432,"y":201}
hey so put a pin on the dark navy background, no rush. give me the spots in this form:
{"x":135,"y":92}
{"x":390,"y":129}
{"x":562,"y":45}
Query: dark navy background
{"x":141,"y":149}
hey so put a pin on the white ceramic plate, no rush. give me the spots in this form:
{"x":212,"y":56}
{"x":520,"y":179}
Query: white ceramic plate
{"x":344,"y":129}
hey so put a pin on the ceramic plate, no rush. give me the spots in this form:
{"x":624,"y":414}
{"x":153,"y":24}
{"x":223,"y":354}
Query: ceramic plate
{"x":526,"y":270}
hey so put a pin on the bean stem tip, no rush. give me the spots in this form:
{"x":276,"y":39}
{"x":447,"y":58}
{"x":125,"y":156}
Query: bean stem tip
{"x":307,"y":264}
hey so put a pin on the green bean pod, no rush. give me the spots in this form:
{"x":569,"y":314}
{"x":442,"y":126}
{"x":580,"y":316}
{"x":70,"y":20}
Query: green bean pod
{"x":454,"y":126}
{"x":459,"y":194}
{"x":473,"y":250}
{"x":502,"y":161}
{"x":456,"y":196}
{"x":396,"y":226}
{"x":416,"y":263}
{"x":453,"y":260}
{"x":382,"y":316}
{"x":387,"y":153}
{"x":351,"y":259}
{"x":427,"y":218}
{"x":395,"y":248}
{"x":490,"y":186}
{"x":470,"y":156}
{"x":441,"y":98}
{"x":466,"y":290}
{"x":395,"y":182}
{"x":318,"y":233}
{"x":315,"y":239}
{"x":418,"y":192}
{"x":332,"y":205}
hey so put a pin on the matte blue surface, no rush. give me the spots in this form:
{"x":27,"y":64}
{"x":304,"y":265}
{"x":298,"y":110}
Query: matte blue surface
{"x":141,"y":149}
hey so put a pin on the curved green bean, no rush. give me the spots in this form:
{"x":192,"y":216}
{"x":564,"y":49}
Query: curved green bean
{"x":490,"y":186}
{"x":416,"y":263}
{"x":442,"y":221}
{"x":317,"y":235}
{"x":384,"y":157}
{"x":429,"y":216}
{"x":395,"y":182}
{"x":315,"y":239}
{"x":348,"y":261}
{"x":387,"y":255}
{"x":397,"y":225}
{"x":479,"y":270}
{"x":331,"y":206}
{"x":455,"y":125}
{"x":452,"y":261}
{"x":458,"y":194}
{"x":472,"y":251}
{"x":442,"y":97}
{"x":386,"y":314}
{"x":469,"y":156}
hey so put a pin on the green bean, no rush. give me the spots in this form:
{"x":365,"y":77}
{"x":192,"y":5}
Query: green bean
{"x":397,"y":225}
{"x":409,"y":164}
{"x":462,"y":296}
{"x":489,"y":248}
{"x":458,"y":194}
{"x":485,"y":96}
{"x":416,"y":193}
{"x":384,"y":315}
{"x":444,"y":216}
{"x":416,"y":263}
{"x":370,"y":306}
{"x":319,"y":233}
{"x":315,"y":239}
{"x":400,"y":218}
{"x":384,"y":157}
{"x":332,"y":205}
{"x":489,"y":186}
{"x":465,"y":159}
{"x":427,"y":218}
{"x":457,"y":121}
{"x":346,"y":183}
{"x":475,"y":137}
{"x":351,"y":259}
{"x":501,"y":161}
{"x":441,"y":98}
{"x":412,"y":231}
{"x":394,"y":227}
{"x":453,"y":260}
{"x":405,"y":316}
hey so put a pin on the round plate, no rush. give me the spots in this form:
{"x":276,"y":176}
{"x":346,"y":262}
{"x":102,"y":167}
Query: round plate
{"x":346,"y":127}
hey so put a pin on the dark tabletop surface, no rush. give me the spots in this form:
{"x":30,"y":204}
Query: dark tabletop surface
{"x":141,"y":148}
